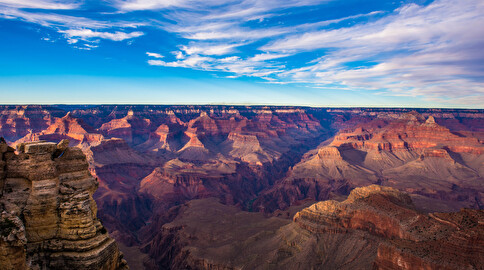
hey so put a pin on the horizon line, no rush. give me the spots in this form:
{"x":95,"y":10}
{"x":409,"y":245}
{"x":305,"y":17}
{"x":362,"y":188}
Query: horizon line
{"x":239,"y":104}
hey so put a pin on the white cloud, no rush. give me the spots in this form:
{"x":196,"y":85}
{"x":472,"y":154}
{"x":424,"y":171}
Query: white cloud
{"x":148,"y":4}
{"x":52,"y":20}
{"x":233,"y":64}
{"x":157,"y":62}
{"x":193,"y":61}
{"x":267,"y":56}
{"x":155,"y":55}
{"x":231,"y":8}
{"x":86,"y":34}
{"x":178,"y":55}
{"x":209,"y":49}
{"x":40,"y":4}
{"x":74,"y":28}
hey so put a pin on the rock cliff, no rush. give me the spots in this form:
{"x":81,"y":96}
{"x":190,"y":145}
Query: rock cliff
{"x":48,"y":216}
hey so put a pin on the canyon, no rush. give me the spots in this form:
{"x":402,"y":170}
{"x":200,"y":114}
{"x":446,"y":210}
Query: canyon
{"x":245,"y":187}
{"x":374,"y":228}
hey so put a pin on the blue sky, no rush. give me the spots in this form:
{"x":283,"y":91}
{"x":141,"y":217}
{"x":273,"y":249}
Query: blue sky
{"x":306,"y":52}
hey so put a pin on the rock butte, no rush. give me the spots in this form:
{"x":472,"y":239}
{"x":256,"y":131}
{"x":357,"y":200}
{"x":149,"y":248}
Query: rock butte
{"x":48,"y":216}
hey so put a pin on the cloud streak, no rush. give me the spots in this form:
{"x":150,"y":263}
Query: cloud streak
{"x":87,"y":34}
{"x":154,"y":55}
{"x":417,"y":51}
{"x":41,"y":4}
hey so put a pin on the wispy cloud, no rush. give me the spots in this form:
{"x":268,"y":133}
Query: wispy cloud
{"x":228,"y":8}
{"x":417,"y":51}
{"x":73,"y":28}
{"x":232,"y":64}
{"x":87,"y":34}
{"x":51,"y":20}
{"x":41,"y":4}
{"x":155,"y":55}
{"x":209,"y":49}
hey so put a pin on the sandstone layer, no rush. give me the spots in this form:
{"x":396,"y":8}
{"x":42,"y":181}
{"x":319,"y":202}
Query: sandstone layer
{"x":407,"y":239}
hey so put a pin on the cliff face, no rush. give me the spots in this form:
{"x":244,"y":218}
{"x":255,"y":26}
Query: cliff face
{"x":48,"y":216}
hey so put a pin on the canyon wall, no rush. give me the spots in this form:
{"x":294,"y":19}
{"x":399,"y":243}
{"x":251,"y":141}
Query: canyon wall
{"x":155,"y":162}
{"x":407,"y":239}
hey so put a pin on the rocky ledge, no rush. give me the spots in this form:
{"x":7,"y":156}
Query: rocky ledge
{"x":47,"y":213}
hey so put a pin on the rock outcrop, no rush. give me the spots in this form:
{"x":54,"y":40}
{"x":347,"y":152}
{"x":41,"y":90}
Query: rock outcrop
{"x":48,"y":216}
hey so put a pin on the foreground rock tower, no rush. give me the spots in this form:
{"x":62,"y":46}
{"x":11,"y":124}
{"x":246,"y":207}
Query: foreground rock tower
{"x":47,"y":213}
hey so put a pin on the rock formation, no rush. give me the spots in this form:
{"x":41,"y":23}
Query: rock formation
{"x":48,"y":216}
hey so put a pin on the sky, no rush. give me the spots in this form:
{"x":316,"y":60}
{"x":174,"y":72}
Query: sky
{"x":379,"y":53}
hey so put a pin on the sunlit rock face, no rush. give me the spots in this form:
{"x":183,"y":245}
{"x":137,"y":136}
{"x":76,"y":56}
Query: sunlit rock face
{"x":48,"y":215}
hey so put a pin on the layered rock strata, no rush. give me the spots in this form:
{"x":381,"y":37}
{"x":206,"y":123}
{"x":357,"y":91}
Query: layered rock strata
{"x":406,"y":238}
{"x":48,"y":216}
{"x":442,"y":170}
